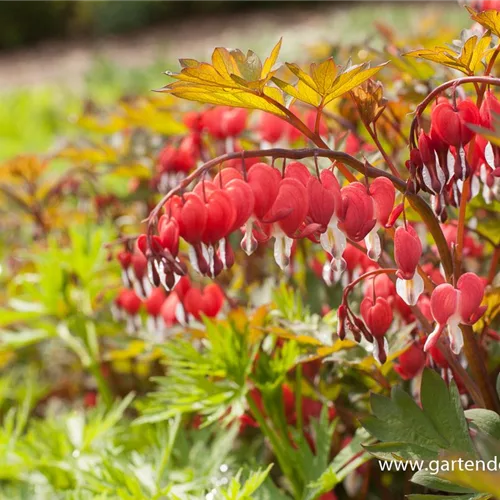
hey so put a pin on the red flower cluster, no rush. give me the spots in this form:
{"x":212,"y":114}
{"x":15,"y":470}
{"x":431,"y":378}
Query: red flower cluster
{"x":440,"y":163}
{"x":265,"y":203}
{"x":163,"y":310}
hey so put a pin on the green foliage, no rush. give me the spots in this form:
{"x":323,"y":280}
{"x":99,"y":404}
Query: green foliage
{"x":211,"y":381}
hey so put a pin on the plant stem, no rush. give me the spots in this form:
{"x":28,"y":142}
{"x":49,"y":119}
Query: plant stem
{"x":485,"y":80}
{"x":102,"y":385}
{"x":461,"y":228}
{"x":276,"y":446}
{"x":298,"y":397}
{"x":494,"y":265}
{"x":478,"y":369}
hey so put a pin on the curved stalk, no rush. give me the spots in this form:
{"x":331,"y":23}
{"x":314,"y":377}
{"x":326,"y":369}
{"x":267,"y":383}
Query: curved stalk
{"x":485,"y":80}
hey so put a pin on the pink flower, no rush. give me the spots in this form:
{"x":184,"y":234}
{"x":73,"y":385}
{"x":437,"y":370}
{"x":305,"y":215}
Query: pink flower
{"x":378,"y":318}
{"x":407,"y":252}
{"x":451,"y":306}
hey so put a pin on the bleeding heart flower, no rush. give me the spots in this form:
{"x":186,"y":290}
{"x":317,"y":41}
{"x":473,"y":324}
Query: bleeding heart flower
{"x":378,"y":318}
{"x":357,"y":211}
{"x":153,"y":305}
{"x":191,"y":216}
{"x":226,"y":175}
{"x":377,"y":315}
{"x":407,"y":253}
{"x":243,"y":201}
{"x":223,"y":121}
{"x":451,"y":306}
{"x":154,"y":302}
{"x":297,"y":170}
{"x":411,"y":362}
{"x":286,"y":216}
{"x":168,"y":229}
{"x":172,"y":310}
{"x":207,"y":303}
{"x":431,"y":172}
{"x":489,"y":108}
{"x":271,"y":128}
{"x":383,"y":195}
{"x":451,"y":124}
{"x":325,"y":206}
{"x":220,"y":217}
{"x":264,"y":182}
{"x":127,"y":306}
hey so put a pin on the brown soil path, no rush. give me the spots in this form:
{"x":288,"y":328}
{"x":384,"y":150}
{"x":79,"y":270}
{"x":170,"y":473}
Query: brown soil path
{"x":68,"y":62}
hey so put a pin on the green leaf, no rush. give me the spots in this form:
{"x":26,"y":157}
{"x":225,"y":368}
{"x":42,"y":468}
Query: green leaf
{"x":23,"y":338}
{"x":401,"y":419}
{"x":346,"y":461}
{"x":486,"y":420}
{"x":444,"y":409}
{"x":449,"y":497}
{"x":428,"y":480}
{"x":439,"y":425}
{"x":400,"y":451}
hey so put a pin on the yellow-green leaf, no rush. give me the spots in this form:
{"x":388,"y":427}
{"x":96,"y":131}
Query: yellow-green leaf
{"x":325,"y":83}
{"x":271,"y":60}
{"x":352,"y":78}
{"x":467,"y":61}
{"x":490,"y":19}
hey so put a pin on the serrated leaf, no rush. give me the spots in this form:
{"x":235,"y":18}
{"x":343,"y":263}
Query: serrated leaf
{"x":233,"y":79}
{"x":490,"y":19}
{"x":237,"y":97}
{"x":271,"y":60}
{"x":444,"y":409}
{"x":428,"y":480}
{"x":486,"y":420}
{"x":474,"y":479}
{"x":449,"y":497}
{"x":324,"y":83}
{"x":467,"y":61}
{"x":400,"y":451}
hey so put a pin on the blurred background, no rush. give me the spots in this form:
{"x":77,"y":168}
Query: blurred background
{"x":56,"y":54}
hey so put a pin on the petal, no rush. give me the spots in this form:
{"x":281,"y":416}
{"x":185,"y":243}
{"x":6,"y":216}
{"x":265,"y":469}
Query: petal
{"x":471,"y":295}
{"x":444,"y":303}
{"x":433,"y":337}
{"x":282,"y":249}
{"x":407,"y":250}
{"x":383,"y":194}
{"x":410,"y":290}
{"x":372,"y":242}
{"x":455,"y":336}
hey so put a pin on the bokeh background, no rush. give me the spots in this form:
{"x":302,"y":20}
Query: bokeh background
{"x":57,"y":55}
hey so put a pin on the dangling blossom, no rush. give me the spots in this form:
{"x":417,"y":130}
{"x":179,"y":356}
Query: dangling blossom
{"x":383,"y":195}
{"x":407,"y":253}
{"x":264,"y":182}
{"x":286,"y":216}
{"x":377,"y":315}
{"x":451,"y":306}
{"x":153,"y":305}
{"x":207,"y":302}
{"x":325,"y":208}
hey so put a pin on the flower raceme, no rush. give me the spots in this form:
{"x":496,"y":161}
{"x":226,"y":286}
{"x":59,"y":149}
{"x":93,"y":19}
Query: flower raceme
{"x":165,"y":309}
{"x":265,"y":204}
{"x":442,"y":162}
{"x":452,"y":306}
